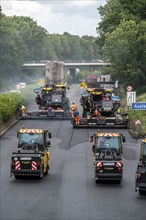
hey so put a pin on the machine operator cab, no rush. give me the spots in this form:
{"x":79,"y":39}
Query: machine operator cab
{"x":54,"y":95}
{"x":143,"y":152}
{"x":33,"y":140}
{"x":140,"y":177}
{"x":107,"y":144}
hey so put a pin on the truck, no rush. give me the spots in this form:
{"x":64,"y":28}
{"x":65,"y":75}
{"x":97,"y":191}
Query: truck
{"x":107,"y":156}
{"x":51,"y":98}
{"x":95,"y":80}
{"x":140,"y":176}
{"x":55,"y":73}
{"x":31,"y":157}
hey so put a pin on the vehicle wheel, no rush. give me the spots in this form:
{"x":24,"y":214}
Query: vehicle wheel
{"x":141,"y":192}
{"x":17,"y":177}
{"x":97,"y":181}
{"x":118,"y":181}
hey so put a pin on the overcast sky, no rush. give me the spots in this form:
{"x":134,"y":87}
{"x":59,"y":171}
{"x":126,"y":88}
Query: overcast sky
{"x":77,"y":17}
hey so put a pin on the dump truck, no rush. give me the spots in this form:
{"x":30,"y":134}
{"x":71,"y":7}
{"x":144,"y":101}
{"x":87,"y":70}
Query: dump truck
{"x":55,"y":73}
{"x":31,"y":157}
{"x":140,"y":177}
{"x":51,"y":99}
{"x":107,"y":156}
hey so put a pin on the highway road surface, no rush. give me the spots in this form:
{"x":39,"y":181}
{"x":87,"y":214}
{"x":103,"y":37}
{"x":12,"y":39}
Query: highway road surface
{"x":69,"y":191}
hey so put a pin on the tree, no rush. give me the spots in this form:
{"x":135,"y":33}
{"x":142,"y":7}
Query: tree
{"x":122,"y":40}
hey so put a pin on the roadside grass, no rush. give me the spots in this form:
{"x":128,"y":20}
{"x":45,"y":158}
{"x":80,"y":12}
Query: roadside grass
{"x":9,"y":102}
{"x":134,"y":115}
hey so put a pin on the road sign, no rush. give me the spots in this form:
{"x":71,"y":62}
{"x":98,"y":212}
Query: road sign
{"x":139,"y":106}
{"x":131,"y":97}
{"x":36,"y":90}
{"x":18,"y":86}
{"x":129,"y":88}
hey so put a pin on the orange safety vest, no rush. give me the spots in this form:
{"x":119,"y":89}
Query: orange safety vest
{"x":96,"y":112}
{"x":73,"y":107}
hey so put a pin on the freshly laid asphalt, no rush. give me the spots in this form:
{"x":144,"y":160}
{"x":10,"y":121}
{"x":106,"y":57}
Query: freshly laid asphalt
{"x":69,"y":191}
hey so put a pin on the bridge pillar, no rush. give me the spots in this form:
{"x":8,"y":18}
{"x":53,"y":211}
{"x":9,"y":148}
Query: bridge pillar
{"x":72,"y":72}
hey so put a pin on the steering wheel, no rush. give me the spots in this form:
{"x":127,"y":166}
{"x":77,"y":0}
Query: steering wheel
{"x":107,"y":145}
{"x":32,"y":141}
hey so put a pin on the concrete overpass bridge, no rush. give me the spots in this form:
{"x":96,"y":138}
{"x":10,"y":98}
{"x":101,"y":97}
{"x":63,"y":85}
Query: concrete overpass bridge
{"x":66,"y":65}
{"x":69,"y":67}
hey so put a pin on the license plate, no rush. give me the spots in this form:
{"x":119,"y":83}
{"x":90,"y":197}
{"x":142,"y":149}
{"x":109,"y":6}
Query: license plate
{"x":25,"y":158}
{"x":26,"y":162}
{"x":109,"y":168}
{"x":108,"y":164}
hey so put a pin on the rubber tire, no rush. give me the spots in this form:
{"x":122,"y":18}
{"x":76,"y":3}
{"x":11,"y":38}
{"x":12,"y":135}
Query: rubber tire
{"x":118,"y":181}
{"x":97,"y":181}
{"x":141,"y":192}
{"x":17,"y":177}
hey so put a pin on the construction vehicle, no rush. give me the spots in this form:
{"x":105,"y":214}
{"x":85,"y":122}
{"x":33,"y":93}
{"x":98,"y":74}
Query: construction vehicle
{"x":31,"y":158}
{"x":100,"y":81}
{"x":52,"y":101}
{"x":107,"y":156}
{"x":140,"y":177}
{"x":53,"y":104}
{"x":55,"y":73}
{"x":92,"y":100}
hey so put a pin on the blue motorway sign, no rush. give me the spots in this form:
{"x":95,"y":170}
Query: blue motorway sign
{"x":36,"y":90}
{"x":139,"y":106}
{"x":115,"y":98}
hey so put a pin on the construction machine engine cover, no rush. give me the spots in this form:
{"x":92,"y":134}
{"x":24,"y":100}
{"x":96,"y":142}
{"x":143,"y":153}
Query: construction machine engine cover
{"x":56,"y":99}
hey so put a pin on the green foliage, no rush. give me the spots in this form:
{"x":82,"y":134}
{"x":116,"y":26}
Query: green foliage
{"x":9,"y":102}
{"x":122,"y":40}
{"x":8,"y":105}
{"x":22,"y":40}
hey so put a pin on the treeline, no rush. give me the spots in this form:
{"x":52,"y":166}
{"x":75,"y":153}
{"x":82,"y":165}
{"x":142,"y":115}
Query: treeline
{"x":22,"y":40}
{"x":122,"y":40}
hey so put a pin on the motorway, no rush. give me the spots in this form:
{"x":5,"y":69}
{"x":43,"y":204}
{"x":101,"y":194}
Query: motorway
{"x":69,"y":191}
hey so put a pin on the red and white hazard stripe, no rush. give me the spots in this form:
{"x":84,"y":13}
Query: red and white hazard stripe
{"x":108,"y":135}
{"x":119,"y":164}
{"x":31,"y":131}
{"x":17,"y":165}
{"x":34,"y":165}
{"x":99,"y":164}
{"x":115,"y":134}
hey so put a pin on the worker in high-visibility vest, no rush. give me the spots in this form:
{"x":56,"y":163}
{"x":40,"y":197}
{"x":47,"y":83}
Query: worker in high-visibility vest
{"x":73,"y":108}
{"x":22,"y":109}
{"x":118,"y":110}
{"x":96,"y":112}
{"x":76,"y":117}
